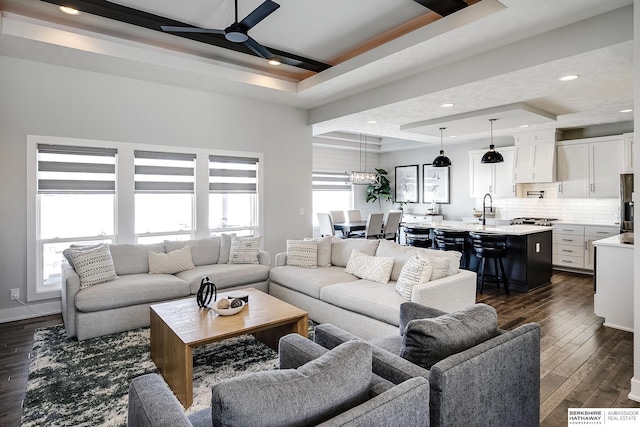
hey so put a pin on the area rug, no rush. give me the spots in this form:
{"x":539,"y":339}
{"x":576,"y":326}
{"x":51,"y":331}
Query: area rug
{"x":86,"y":383}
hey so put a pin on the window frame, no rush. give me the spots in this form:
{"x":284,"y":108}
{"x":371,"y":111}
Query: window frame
{"x":124,"y":227}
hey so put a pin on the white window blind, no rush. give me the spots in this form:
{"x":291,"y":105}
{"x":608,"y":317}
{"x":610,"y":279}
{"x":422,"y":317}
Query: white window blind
{"x":157,"y":172}
{"x":330,"y":181}
{"x":233,"y":175}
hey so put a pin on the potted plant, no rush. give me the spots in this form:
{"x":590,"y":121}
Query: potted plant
{"x":381,"y":189}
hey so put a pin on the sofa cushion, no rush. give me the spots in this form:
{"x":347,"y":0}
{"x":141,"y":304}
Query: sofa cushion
{"x":454,"y":265}
{"x":341,"y":249}
{"x":415,"y":272}
{"x":428,"y":341}
{"x":93,"y":265}
{"x":131,"y":289}
{"x":324,"y":250}
{"x":203,"y":251}
{"x":133,"y":259}
{"x":244,"y":250}
{"x":313,"y":393}
{"x":372,"y":299}
{"x":172,"y":262}
{"x":309,"y":281}
{"x":225,"y":275}
{"x":302,"y":253}
{"x":400,"y":254}
{"x":368,"y":267}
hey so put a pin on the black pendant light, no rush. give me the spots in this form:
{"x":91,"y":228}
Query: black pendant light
{"x":492,"y":156}
{"x":441,"y":161}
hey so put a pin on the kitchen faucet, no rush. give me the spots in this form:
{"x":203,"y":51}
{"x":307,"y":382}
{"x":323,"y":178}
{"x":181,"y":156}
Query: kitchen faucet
{"x":484,"y":209}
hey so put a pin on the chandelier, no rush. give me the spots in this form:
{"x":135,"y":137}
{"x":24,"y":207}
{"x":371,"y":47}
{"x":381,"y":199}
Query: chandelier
{"x":362,"y":177}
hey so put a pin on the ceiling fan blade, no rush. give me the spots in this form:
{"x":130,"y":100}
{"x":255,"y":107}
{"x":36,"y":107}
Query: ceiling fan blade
{"x":171,"y":29}
{"x":258,"y":49}
{"x":261,"y":12}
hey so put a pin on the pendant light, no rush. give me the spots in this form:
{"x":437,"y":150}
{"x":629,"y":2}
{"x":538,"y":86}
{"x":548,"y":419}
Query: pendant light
{"x":492,"y":156}
{"x":362,"y":177}
{"x":441,"y":161}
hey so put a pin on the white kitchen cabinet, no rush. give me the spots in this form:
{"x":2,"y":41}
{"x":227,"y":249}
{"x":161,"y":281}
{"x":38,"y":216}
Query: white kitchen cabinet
{"x":496,"y":178}
{"x":534,"y":159}
{"x":591,"y":234}
{"x":629,"y":152}
{"x":590,"y":167}
{"x":573,"y":244}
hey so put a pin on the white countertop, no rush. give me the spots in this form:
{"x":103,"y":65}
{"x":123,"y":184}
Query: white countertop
{"x":512,"y":230}
{"x":599,"y":224}
{"x":615,"y":241}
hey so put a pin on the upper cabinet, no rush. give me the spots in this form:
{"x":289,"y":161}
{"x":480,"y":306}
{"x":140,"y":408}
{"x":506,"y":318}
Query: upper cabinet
{"x":496,"y":178}
{"x":590,"y":167}
{"x":535,"y":156}
{"x":629,"y":152}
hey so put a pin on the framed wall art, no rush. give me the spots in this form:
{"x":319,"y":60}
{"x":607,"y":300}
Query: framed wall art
{"x":435,"y":184}
{"x":407,"y":184}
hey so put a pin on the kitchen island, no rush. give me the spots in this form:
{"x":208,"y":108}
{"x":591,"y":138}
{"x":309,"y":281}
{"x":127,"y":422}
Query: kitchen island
{"x":529,"y":251}
{"x":613,"y":281}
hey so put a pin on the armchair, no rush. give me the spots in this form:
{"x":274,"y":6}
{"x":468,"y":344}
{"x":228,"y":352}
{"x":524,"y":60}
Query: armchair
{"x":495,"y":382}
{"x":314,"y":386}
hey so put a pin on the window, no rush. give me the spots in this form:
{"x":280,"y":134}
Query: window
{"x":75,"y":196}
{"x":85,"y":192}
{"x":331,"y":192}
{"x":164,"y":196}
{"x":233,"y":192}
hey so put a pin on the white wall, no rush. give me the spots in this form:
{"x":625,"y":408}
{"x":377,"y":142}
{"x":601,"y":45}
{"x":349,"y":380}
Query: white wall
{"x":41,"y":99}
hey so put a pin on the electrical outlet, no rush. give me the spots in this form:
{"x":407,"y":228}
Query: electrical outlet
{"x":15,"y":293}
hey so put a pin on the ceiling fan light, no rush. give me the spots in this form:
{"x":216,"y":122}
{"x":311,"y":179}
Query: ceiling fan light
{"x":236,"y":37}
{"x":492,"y":156}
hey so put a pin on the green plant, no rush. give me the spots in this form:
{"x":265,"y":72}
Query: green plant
{"x":381,"y":189}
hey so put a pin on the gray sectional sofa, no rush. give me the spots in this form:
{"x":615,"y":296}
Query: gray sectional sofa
{"x":123,"y":304}
{"x":365,"y":308}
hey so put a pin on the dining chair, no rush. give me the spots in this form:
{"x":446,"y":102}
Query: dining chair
{"x":337,"y":216}
{"x":354,"y":215}
{"x":374,"y":226}
{"x":391,"y":224}
{"x":326,"y":224}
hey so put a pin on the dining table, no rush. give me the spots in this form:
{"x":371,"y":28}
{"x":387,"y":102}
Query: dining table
{"x":349,"y":227}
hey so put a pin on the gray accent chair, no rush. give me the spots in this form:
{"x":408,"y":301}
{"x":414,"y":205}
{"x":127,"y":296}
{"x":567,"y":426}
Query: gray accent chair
{"x":314,"y":386}
{"x":494,"y":383}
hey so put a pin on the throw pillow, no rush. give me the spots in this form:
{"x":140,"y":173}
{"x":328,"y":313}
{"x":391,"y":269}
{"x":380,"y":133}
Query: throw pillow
{"x":442,"y":267}
{"x":244,"y":250}
{"x":324,"y":250}
{"x":93,"y":265}
{"x":315,"y":392}
{"x":375,"y":268}
{"x":416,"y":271}
{"x":302,"y":253}
{"x":225,"y":247}
{"x":428,"y":341}
{"x":171,"y":263}
{"x":67,"y":252}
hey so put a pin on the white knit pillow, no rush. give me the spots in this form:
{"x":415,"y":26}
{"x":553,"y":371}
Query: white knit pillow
{"x":173,"y":262}
{"x":416,"y":271}
{"x":302,"y":253}
{"x":244,"y":250}
{"x":375,"y":268}
{"x":93,"y":265}
{"x":443,"y":267}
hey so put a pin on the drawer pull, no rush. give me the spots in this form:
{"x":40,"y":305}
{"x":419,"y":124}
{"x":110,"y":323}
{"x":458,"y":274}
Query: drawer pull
{"x":567,"y":240}
{"x":567,"y":250}
{"x":568,"y":261}
{"x":602,"y":232}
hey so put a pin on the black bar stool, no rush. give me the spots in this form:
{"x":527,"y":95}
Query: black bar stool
{"x":419,"y":236}
{"x":490,"y":246}
{"x":446,"y":240}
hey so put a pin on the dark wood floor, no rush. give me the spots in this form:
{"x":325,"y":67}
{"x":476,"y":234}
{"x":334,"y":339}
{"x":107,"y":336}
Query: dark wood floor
{"x":583,"y":364}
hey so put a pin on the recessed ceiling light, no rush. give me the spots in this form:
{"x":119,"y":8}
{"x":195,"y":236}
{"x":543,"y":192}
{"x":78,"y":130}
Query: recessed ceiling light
{"x":447,"y":104}
{"x":69,"y":10}
{"x":628,"y":110}
{"x":453,"y":136}
{"x":524,"y":126}
{"x":372,"y":122}
{"x":568,"y":77}
{"x":274,"y":62}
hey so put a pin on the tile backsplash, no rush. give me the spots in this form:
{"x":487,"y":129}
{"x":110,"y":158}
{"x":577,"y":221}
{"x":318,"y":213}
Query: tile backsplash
{"x":594,"y":211}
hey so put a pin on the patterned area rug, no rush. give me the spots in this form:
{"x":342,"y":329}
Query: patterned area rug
{"x":86,"y":383}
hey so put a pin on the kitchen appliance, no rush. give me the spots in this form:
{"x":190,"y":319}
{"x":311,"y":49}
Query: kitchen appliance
{"x":626,"y":202}
{"x":546,"y":222}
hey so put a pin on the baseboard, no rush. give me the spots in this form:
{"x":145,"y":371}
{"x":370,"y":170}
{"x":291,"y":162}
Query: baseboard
{"x":634,"y":394}
{"x":21,"y":312}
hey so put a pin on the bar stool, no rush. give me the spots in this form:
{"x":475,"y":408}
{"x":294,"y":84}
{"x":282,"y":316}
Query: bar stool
{"x":447,"y":240}
{"x":490,"y":246}
{"x":418,"y":236}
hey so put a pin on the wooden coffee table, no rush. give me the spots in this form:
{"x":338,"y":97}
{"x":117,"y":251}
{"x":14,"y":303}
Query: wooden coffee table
{"x":179,"y":326}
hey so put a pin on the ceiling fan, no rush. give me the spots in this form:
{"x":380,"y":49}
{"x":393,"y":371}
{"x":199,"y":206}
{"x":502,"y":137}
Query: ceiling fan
{"x":237,"y":32}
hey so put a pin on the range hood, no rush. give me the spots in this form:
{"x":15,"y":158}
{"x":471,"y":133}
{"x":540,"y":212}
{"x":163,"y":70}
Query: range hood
{"x":535,"y":156}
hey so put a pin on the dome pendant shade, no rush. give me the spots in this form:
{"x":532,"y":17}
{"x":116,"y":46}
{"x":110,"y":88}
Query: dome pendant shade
{"x":492,"y":156}
{"x":441,"y":161}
